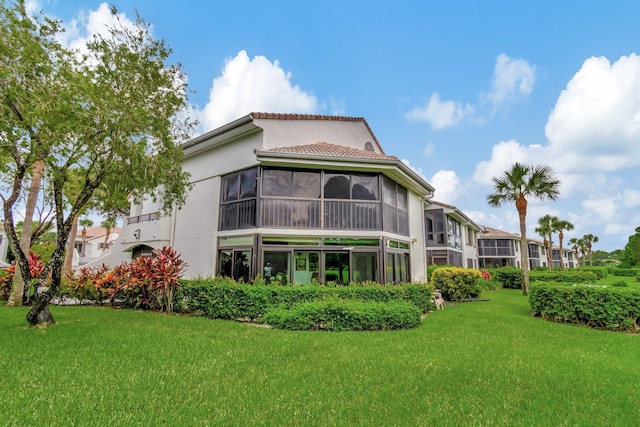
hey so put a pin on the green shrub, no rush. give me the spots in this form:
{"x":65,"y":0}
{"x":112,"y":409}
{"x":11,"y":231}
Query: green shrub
{"x":508,"y":277}
{"x":225,"y":299}
{"x":600,"y":272}
{"x":620,"y":284}
{"x":567,"y":276}
{"x":432,"y":267}
{"x":623,"y":272}
{"x":457,"y":283}
{"x":612,"y":308}
{"x":345,"y":315}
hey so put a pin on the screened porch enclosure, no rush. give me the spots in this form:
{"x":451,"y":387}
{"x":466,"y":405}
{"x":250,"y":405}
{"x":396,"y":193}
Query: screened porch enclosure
{"x":312,"y":199}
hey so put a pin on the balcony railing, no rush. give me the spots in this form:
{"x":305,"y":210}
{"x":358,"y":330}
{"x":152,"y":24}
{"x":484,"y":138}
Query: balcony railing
{"x":143,"y":218}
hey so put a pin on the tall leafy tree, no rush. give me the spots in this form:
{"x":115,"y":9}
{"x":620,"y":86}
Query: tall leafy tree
{"x":559,"y":226}
{"x":112,"y":116}
{"x":517,"y":185}
{"x":631,"y":254}
{"x":84,"y":223}
{"x":107,"y":224}
{"x":545,"y":230}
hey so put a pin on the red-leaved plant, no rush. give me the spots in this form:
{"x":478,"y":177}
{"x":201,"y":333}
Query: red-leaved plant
{"x":146,"y":282}
{"x":36,"y":267}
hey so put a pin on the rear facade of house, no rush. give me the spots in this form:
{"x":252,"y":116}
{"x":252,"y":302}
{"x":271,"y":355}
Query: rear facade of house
{"x":291,"y":198}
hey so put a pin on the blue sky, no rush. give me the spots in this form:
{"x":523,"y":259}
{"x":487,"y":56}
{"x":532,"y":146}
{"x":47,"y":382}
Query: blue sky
{"x":457,"y":89}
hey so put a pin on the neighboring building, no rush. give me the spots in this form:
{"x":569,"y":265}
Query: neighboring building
{"x":497,"y":248}
{"x":451,"y":236}
{"x":294,"y":198}
{"x":4,"y":245}
{"x":569,"y":257}
{"x":95,"y":247}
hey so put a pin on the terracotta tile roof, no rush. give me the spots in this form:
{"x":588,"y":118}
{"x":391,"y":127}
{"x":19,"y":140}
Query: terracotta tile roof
{"x":96,"y":231}
{"x":326,"y":149}
{"x":494,"y":232}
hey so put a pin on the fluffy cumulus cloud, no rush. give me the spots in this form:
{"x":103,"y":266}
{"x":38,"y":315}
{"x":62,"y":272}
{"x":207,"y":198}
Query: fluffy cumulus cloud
{"x":257,"y":84}
{"x":503,"y":155}
{"x":96,"y":22}
{"x":511,"y":77}
{"x":595,"y":125}
{"x":441,"y":114}
{"x":448,"y":186}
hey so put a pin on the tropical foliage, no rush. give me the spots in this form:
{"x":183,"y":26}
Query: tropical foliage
{"x":516,"y":186}
{"x":65,"y":108}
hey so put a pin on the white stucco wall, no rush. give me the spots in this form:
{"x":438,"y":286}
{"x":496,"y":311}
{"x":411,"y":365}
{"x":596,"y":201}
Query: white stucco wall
{"x":416,"y":237}
{"x":286,"y":133}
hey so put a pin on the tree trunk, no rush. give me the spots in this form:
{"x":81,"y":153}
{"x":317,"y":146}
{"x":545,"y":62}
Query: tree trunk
{"x":521,"y":205}
{"x":560,"y":237}
{"x":84,"y":241}
{"x":39,"y":313}
{"x":68,"y":260}
{"x":18,"y":285}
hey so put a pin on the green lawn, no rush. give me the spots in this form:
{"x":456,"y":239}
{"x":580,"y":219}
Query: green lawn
{"x":479,"y":364}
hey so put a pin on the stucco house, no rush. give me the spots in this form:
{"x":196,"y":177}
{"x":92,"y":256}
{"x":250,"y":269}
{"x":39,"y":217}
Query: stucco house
{"x":4,"y":246}
{"x":92,"y":247}
{"x":497,"y":248}
{"x":291,"y":197}
{"x":451,"y":236}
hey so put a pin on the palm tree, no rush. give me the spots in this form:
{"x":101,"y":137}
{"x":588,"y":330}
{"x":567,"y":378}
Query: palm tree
{"x":84,"y":223}
{"x":545,"y":229}
{"x":108,"y":224}
{"x":559,"y":226}
{"x":589,"y":240}
{"x":518,"y":183}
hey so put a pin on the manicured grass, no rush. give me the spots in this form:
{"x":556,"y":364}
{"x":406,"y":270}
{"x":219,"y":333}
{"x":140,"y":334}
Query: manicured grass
{"x":482,"y":363}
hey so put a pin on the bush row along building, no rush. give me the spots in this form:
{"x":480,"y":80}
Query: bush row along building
{"x":303,"y":198}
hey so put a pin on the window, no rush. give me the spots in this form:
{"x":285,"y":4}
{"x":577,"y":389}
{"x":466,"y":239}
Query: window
{"x":398,"y":268}
{"x":235,"y":264}
{"x":238,"y":200}
{"x":395,"y":209}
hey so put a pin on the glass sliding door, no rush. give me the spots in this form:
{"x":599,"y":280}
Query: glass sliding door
{"x":365,"y":266}
{"x":235,"y":264}
{"x":398,"y":268}
{"x":306,"y":267}
{"x":336,"y":267}
{"x":277,"y":266}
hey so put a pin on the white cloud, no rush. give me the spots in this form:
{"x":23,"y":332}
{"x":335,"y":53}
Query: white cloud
{"x":441,"y":114}
{"x":416,"y":170}
{"x":511,"y":77}
{"x":257,"y":84}
{"x":595,"y":125}
{"x":447,"y":185}
{"x":429,"y":149}
{"x":606,"y":207}
{"x":503,"y":155}
{"x":631,"y":198}
{"x":97,"y":22}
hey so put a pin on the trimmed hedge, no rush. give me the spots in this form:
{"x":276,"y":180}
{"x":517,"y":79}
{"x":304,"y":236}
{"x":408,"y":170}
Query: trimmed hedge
{"x":508,"y":277}
{"x":457,"y":283}
{"x":222,"y":299}
{"x":624,"y":272}
{"x":566,"y":276}
{"x":615,"y":309}
{"x":601,"y":272}
{"x":345,"y":315}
